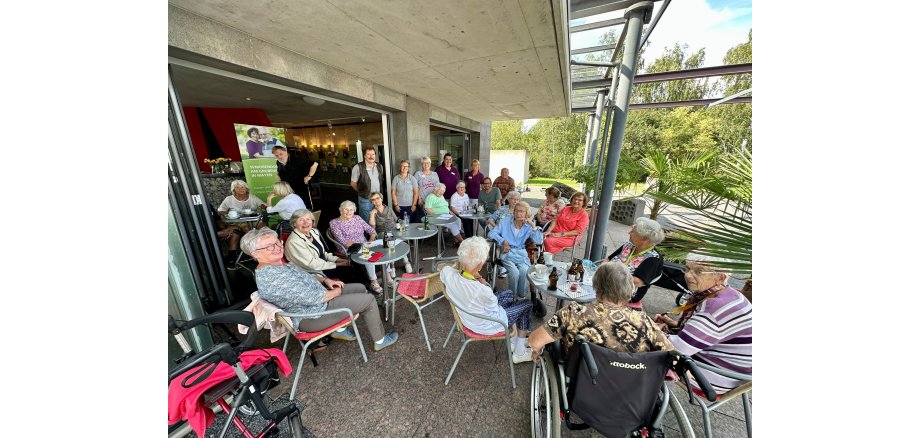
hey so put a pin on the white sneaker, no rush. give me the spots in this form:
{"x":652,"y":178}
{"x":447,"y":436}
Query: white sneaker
{"x":525,"y":356}
{"x":408,"y":267}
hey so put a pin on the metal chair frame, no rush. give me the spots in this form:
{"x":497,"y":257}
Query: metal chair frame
{"x":305,"y":345}
{"x":741,"y":390}
{"x":432,"y":289}
{"x":505,"y":335}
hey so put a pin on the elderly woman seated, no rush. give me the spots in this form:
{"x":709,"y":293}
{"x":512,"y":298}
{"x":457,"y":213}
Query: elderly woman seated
{"x":715,"y":325}
{"x":239,"y":199}
{"x":566,"y":229}
{"x":607,"y":322}
{"x":349,"y":229}
{"x":640,"y":257}
{"x":504,"y":211}
{"x":467,"y":289}
{"x":436,"y":204}
{"x":551,"y":207}
{"x":305,"y":248}
{"x":384,"y":219}
{"x":289,"y":202}
{"x":297,"y":291}
{"x":512,"y":233}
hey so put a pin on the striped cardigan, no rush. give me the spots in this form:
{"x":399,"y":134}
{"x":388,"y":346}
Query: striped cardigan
{"x":719,"y":334}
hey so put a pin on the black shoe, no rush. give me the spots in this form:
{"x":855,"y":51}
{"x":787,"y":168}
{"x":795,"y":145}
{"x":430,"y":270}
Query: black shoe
{"x":539,"y":309}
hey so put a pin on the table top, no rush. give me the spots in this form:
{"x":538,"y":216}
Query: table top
{"x":402,"y":249}
{"x":242,"y":219}
{"x":475,"y":215}
{"x":562,"y":291}
{"x":434,"y":219}
{"x":416,"y":231}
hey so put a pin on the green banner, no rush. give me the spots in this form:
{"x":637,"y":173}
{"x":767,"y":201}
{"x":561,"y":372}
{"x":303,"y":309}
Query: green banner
{"x":261,"y":173}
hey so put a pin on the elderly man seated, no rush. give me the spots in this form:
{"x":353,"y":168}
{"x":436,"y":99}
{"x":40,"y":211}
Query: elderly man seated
{"x":297,"y":291}
{"x":467,"y":289}
{"x":608,"y":322}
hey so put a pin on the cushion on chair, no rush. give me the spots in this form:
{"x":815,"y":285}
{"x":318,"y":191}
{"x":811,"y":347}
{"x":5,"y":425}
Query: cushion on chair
{"x":475,"y":335}
{"x":414,"y":289}
{"x":703,"y":395}
{"x":306,"y":336}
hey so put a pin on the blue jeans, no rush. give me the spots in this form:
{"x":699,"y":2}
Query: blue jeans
{"x":517,"y":278}
{"x":364,"y":209}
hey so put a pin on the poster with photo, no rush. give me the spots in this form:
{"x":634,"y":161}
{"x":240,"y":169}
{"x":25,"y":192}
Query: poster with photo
{"x":257,"y":141}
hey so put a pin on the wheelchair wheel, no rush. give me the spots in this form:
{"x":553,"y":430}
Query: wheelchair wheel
{"x":544,"y":401}
{"x":683,"y":423}
{"x":682,"y":298}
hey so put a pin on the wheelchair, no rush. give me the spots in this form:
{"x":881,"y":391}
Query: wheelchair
{"x":240,"y":390}
{"x":625,"y":396}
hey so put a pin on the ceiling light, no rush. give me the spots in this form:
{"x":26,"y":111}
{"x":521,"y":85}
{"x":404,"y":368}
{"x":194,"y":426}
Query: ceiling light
{"x":315,"y":101}
{"x":248,"y":98}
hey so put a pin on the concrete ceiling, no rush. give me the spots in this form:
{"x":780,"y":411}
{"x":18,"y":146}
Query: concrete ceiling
{"x":482,"y":59}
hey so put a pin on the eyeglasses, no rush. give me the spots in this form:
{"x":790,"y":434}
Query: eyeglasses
{"x":272,"y":246}
{"x":697,"y":271}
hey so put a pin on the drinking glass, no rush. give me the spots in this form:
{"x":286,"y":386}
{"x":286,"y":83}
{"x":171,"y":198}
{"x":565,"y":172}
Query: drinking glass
{"x":392,"y":245}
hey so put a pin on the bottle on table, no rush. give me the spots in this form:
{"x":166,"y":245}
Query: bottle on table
{"x":553,"y":279}
{"x":426,"y":223}
{"x":580,"y":269}
{"x":572,"y":274}
{"x":540,"y":259}
{"x":405,"y":220}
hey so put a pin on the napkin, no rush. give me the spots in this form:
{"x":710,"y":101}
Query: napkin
{"x":376,"y":242}
{"x":445,"y":216}
{"x":375,"y":257}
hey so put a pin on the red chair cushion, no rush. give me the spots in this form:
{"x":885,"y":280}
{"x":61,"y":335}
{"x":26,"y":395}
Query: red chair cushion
{"x":306,"y":336}
{"x":414,"y":289}
{"x":702,"y":394}
{"x":475,"y":335}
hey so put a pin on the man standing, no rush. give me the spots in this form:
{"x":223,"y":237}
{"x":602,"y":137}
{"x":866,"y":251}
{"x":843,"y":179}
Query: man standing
{"x":297,"y":172}
{"x":504,"y":183}
{"x":448,"y":175}
{"x":367,"y":177}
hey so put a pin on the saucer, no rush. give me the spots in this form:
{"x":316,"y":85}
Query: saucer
{"x":533,"y":276}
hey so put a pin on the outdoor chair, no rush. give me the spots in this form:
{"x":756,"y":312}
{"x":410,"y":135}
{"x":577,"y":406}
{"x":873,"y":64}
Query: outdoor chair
{"x":306,"y":339}
{"x":340,"y":249}
{"x":418,"y":289}
{"x":742,"y":390}
{"x":470,"y":336}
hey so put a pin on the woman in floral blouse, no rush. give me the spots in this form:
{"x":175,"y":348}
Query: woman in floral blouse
{"x":550,"y":208}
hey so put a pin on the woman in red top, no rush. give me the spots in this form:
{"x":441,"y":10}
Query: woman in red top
{"x":566,"y":230}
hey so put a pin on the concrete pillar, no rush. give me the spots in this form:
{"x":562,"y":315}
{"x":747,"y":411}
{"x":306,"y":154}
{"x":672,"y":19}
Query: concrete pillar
{"x":481,"y":145}
{"x":410,"y":136}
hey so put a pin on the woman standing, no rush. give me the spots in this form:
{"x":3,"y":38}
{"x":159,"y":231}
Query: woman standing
{"x":566,"y":230}
{"x":427,"y":181}
{"x":405,"y":192}
{"x":473,"y":181}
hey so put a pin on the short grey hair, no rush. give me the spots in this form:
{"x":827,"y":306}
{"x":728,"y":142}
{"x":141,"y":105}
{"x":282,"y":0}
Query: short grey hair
{"x":282,"y":188}
{"x":461,"y":184}
{"x":513,"y":194}
{"x":348,"y":204}
{"x":650,"y":229}
{"x":440,"y":186}
{"x":250,"y":241}
{"x":731,"y":279}
{"x":473,"y":252}
{"x":613,"y":283}
{"x":238,"y":183}
{"x":426,"y":159}
{"x":371,"y":196}
{"x":302,"y":212}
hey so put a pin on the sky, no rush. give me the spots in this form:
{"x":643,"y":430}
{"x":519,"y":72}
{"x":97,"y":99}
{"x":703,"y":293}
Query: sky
{"x":717,"y":25}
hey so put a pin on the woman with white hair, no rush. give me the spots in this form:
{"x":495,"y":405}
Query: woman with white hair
{"x":460,"y":202}
{"x":640,"y":257}
{"x":305,"y":248}
{"x":239,"y":199}
{"x":467,"y":289}
{"x":715,"y":325}
{"x":607,"y":322}
{"x":512,"y":236}
{"x":427,"y":181}
{"x":349,"y":229}
{"x":436,"y":204}
{"x":505,"y":211}
{"x":289,"y":202}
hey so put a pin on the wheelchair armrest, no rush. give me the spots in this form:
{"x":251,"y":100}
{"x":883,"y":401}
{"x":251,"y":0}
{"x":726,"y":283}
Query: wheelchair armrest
{"x":555,"y":352}
{"x":222,"y":352}
{"x":724,"y":372}
{"x":230,"y":317}
{"x":587,"y":357}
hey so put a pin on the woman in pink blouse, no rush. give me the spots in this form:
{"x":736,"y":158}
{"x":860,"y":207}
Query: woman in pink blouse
{"x":566,"y":230}
{"x":349,"y":229}
{"x":550,"y":208}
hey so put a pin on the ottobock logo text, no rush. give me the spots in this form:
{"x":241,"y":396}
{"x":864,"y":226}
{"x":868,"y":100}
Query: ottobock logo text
{"x":638,"y":366}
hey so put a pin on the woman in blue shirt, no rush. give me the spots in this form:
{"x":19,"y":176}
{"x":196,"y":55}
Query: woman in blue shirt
{"x":512,"y":233}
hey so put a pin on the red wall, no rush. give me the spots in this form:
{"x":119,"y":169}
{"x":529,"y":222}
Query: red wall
{"x":221,"y":121}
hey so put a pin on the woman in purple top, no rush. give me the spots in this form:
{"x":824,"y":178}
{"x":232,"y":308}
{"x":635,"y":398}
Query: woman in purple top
{"x":473,"y":181}
{"x":254,"y":145}
{"x":349,"y":229}
{"x":715,"y":326}
{"x":448,"y":175}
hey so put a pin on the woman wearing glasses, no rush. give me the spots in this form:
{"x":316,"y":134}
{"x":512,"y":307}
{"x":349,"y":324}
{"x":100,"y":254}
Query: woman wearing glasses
{"x":640,"y":257}
{"x":297,"y":291}
{"x":715,"y":326}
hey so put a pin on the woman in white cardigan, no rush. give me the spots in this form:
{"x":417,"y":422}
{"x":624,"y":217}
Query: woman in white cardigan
{"x":305,"y":248}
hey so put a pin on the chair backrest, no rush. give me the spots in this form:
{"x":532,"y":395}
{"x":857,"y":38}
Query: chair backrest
{"x":622,"y":397}
{"x":339,"y":248}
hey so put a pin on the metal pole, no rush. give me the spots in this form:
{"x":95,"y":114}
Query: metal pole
{"x":620,"y":107}
{"x":594,"y":127}
{"x":608,"y":110}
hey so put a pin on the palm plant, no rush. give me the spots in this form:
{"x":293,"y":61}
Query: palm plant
{"x":674,"y":177}
{"x":718,"y":218}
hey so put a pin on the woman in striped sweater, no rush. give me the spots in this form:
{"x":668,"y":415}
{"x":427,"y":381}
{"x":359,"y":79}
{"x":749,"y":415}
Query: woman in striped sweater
{"x":715,"y":326}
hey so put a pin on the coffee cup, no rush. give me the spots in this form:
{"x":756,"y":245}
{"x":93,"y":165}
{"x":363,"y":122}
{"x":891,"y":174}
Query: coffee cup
{"x":247,"y":211}
{"x":540,"y":270}
{"x":232,"y":214}
{"x":548,"y":258}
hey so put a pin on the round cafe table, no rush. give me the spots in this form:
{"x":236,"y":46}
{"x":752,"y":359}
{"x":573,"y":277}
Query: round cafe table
{"x":250,"y":220}
{"x":401,"y":250}
{"x":413,"y":234}
{"x":586,"y":293}
{"x":475,"y":217}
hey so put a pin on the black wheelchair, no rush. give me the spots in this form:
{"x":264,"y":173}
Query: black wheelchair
{"x":243,"y":391}
{"x":617,"y":394}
